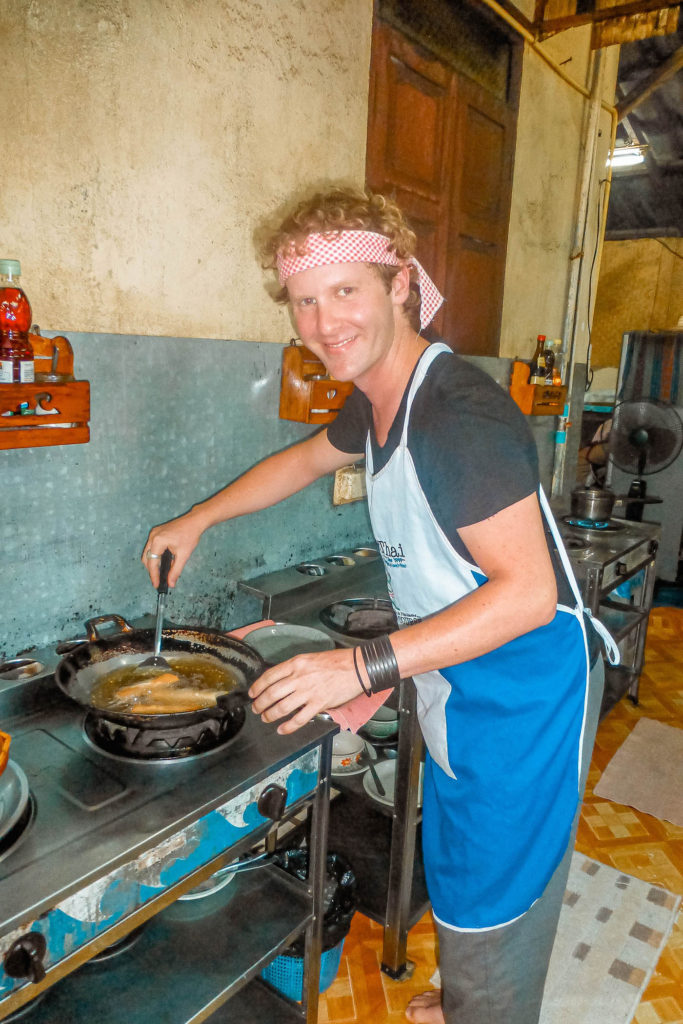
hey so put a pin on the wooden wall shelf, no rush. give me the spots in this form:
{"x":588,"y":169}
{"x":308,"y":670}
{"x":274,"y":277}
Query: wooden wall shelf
{"x":535,"y":399}
{"x":307,"y":393}
{"x":54,"y":410}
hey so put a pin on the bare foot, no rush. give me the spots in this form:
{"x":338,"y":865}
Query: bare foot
{"x":426,"y":1008}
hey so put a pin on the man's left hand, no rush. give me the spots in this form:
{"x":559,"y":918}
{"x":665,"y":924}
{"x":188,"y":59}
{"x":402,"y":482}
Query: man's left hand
{"x":298,"y":689}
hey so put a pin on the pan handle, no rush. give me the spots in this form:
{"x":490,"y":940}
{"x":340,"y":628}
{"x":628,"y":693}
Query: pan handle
{"x":92,"y":630}
{"x":229,"y":702}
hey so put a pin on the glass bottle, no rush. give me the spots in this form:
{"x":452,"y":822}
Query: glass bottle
{"x":16,"y":354}
{"x":537,"y":373}
{"x":557,"y":363}
{"x":549,"y":359}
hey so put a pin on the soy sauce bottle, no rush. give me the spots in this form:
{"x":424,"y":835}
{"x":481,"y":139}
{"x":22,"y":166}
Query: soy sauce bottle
{"x":537,"y":372}
{"x":16,"y":353}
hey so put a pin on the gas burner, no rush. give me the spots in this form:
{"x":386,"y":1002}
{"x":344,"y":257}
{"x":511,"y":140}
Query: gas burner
{"x":166,"y":743}
{"x":20,"y":668}
{"x":361,"y":618}
{"x":66,"y":646}
{"x":574,"y":543}
{"x":594,"y":525}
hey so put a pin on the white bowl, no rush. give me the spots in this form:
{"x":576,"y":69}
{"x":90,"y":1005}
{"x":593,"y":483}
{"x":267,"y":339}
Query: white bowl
{"x":384,"y":723}
{"x":386,"y":771}
{"x":347,"y":749}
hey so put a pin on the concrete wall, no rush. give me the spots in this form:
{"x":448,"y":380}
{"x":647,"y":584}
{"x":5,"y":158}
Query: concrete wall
{"x":548,"y":162}
{"x":148,"y":138}
{"x":173,"y":421}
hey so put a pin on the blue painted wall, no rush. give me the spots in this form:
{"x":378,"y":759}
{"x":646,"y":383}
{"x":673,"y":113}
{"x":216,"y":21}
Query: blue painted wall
{"x":172,"y":421}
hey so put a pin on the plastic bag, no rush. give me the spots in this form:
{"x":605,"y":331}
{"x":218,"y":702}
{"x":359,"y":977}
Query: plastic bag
{"x":339,"y":895}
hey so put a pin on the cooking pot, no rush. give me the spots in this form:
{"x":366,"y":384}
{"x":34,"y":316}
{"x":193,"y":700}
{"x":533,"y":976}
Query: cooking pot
{"x":594,"y":503}
{"x":82,"y":668}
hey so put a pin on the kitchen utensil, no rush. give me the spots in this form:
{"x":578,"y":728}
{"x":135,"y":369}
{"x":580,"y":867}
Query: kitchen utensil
{"x":81,"y":670}
{"x":367,"y":760}
{"x":162,"y":590}
{"x":387,"y":773}
{"x":283,"y":640}
{"x":356,"y":767}
{"x":382,"y":724}
{"x":594,"y":503}
{"x":347,"y":749}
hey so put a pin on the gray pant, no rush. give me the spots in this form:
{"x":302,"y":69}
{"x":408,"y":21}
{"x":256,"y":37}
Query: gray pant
{"x":498,"y":975}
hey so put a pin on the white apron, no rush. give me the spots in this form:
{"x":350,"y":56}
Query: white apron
{"x":503,"y":731}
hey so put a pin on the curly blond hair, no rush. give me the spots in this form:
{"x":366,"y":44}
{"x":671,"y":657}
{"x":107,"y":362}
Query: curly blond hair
{"x":343,"y":208}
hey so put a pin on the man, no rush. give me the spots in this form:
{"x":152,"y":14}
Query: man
{"x":491,"y":621}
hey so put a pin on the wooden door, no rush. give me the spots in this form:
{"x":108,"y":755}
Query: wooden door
{"x":442,"y":146}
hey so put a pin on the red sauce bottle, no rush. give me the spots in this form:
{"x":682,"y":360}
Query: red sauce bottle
{"x":16,"y":353}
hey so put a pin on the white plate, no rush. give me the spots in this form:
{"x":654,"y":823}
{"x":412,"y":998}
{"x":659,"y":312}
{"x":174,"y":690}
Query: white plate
{"x":214,"y":883}
{"x":386,"y":770}
{"x":282,"y":641}
{"x":356,"y":769}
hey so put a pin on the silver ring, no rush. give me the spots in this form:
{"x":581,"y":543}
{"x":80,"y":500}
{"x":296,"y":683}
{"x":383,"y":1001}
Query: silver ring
{"x":150,"y":555}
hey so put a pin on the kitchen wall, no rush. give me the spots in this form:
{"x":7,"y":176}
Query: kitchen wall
{"x":173,"y":420}
{"x":640,"y":288}
{"x":548,"y":164}
{"x":151,"y":138}
{"x":148,"y":139}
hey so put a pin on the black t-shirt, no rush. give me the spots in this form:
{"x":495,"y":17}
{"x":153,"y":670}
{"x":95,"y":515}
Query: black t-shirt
{"x":473,"y":451}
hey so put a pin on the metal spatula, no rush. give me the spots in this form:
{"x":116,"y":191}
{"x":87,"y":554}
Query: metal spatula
{"x":162,"y":590}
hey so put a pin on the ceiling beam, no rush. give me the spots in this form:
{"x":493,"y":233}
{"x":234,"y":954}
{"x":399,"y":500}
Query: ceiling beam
{"x":593,"y":16}
{"x":659,"y":75}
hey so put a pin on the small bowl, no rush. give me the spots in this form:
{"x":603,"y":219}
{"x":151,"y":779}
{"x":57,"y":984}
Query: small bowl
{"x":347,"y":750}
{"x":384,"y":723}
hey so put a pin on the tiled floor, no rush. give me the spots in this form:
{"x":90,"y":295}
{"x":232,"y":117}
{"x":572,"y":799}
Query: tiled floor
{"x":635,"y":843}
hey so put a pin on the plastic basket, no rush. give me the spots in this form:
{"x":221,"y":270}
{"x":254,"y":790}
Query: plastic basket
{"x":286,"y":973}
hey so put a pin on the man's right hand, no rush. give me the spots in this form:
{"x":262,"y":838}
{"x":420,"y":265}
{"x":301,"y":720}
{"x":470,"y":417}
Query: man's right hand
{"x":181,"y":536}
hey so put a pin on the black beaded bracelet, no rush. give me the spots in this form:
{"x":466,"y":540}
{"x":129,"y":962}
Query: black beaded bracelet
{"x":380,"y":664}
{"x":364,"y":688}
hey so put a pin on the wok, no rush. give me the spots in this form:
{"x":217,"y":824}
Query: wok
{"x":81,"y":669}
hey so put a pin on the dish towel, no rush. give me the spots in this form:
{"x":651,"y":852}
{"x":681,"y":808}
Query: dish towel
{"x":351,"y":715}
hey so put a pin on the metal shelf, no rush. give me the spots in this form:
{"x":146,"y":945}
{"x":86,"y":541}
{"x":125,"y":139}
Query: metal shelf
{"x":257,"y":1002}
{"x":189,"y":960}
{"x":620,"y":619}
{"x":353,"y":815}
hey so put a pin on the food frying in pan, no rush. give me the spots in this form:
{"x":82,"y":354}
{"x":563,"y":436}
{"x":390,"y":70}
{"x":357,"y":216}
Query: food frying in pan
{"x":194,"y":683}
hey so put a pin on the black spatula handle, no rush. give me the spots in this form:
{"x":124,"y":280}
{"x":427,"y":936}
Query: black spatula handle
{"x":164,"y":569}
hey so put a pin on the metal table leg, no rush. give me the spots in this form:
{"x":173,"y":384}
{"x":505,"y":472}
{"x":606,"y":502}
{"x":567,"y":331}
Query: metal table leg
{"x":402,"y":835}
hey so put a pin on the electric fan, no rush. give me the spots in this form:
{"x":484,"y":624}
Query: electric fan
{"x":646,"y":436}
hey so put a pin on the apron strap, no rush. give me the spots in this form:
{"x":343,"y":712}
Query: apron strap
{"x":424,"y":362}
{"x":611,"y":649}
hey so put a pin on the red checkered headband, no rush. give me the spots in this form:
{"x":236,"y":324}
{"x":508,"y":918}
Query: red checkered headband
{"x":357,"y":247}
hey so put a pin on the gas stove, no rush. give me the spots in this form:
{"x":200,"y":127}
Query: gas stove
{"x":343,"y":594}
{"x":614,"y":564}
{"x":604,"y":555}
{"x":93,"y":843}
